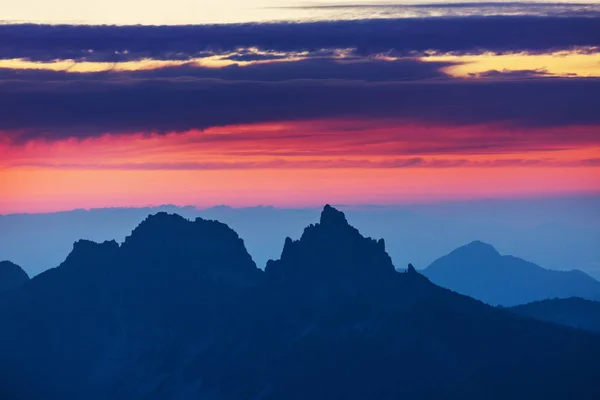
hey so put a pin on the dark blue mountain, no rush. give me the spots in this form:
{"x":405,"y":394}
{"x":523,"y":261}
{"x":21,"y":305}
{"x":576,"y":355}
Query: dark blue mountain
{"x":479,"y":271}
{"x":180,"y":311}
{"x":80,"y":329}
{"x":11,"y":276}
{"x":574,"y":311}
{"x":553,"y":232}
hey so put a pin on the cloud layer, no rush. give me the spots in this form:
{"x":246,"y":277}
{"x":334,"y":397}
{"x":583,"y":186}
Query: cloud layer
{"x":67,"y":81}
{"x":408,"y":36}
{"x":486,"y":100}
{"x":57,"y":109}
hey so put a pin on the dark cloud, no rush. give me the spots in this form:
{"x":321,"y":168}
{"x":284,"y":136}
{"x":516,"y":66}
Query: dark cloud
{"x":244,"y":56}
{"x":478,"y":8}
{"x":317,"y":68}
{"x":516,"y":74}
{"x":87,"y":108}
{"x":473,"y":4}
{"x":402,"y":36}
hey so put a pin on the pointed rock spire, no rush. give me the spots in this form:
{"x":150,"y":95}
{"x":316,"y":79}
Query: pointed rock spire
{"x":331,"y":216}
{"x":333,"y":247}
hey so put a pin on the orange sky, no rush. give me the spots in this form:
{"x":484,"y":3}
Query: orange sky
{"x":41,"y":190}
{"x":297,"y":164}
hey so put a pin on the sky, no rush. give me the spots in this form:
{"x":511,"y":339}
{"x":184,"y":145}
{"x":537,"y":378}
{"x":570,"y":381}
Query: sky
{"x":177,"y":12}
{"x":294,"y":104}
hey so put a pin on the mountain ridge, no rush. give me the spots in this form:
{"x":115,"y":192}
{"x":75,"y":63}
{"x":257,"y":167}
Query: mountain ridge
{"x":480,"y":271}
{"x":574,"y":312}
{"x":180,"y":310}
{"x":12,"y":276}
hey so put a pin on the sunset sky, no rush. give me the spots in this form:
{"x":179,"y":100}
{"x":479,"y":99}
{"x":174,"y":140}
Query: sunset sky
{"x":121,"y":104}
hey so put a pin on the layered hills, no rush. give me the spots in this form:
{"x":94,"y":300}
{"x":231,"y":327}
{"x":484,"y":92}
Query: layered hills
{"x":180,"y":310}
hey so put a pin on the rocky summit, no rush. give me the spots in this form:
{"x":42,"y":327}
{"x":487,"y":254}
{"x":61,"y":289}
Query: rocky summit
{"x":180,"y":311}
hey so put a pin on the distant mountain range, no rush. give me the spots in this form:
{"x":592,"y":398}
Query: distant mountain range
{"x":181,"y":311}
{"x":575,"y":312}
{"x":11,"y":276}
{"x":479,"y":271}
{"x":556,"y":233}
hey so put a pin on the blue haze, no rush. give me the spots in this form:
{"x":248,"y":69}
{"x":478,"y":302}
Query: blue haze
{"x":555,"y":233}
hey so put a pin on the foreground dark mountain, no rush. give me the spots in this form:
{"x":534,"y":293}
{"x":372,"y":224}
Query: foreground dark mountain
{"x":11,"y":276}
{"x":180,"y":311}
{"x":576,"y":312}
{"x":105,"y":319}
{"x":479,"y":271}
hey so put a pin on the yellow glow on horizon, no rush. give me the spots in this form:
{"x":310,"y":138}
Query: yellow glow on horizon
{"x":73,"y":66}
{"x":147,"y":64}
{"x":87,"y":67}
{"x":562,"y":63}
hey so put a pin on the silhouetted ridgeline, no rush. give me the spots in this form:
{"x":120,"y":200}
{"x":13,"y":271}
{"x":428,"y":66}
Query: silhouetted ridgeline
{"x":181,"y":311}
{"x":479,"y":271}
{"x":11,"y":276}
{"x":575,"y":312}
{"x":556,"y":233}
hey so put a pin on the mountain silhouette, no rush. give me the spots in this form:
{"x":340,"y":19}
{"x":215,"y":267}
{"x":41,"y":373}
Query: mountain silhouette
{"x":574,"y":311}
{"x":180,"y":310}
{"x":11,"y":276}
{"x":480,"y":271}
{"x":107,"y":305}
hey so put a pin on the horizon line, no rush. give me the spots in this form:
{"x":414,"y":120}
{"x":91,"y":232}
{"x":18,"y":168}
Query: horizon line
{"x":530,"y":198}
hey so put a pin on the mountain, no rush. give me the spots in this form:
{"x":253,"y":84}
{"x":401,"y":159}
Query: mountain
{"x":11,"y":276}
{"x":575,"y":312}
{"x":180,"y":311}
{"x":86,"y":325}
{"x":556,"y":232}
{"x":479,"y":271}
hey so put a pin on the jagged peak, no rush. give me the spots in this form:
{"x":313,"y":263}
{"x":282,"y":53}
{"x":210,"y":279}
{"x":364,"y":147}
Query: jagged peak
{"x":162,"y":238}
{"x":87,"y":252}
{"x":158,"y":221}
{"x":332,"y":216}
{"x":168,"y":226}
{"x":287,"y":244}
{"x":84,"y":244}
{"x":334,"y":246}
{"x":332,"y":225}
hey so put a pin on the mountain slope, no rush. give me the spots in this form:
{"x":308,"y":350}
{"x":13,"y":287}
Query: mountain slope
{"x":86,"y":325}
{"x":575,"y":312}
{"x":11,"y":276}
{"x":479,"y":271}
{"x":180,"y":311}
